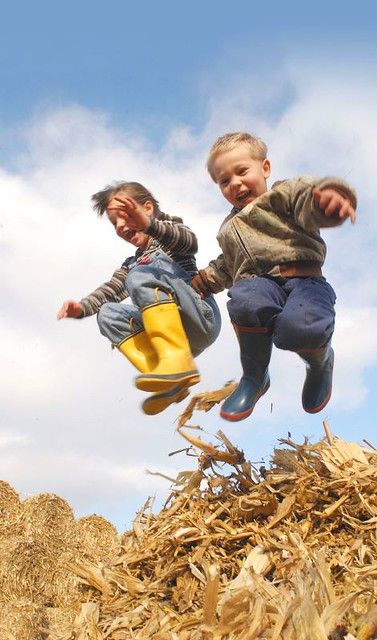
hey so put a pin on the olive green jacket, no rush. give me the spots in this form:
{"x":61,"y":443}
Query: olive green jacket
{"x":281,"y":226}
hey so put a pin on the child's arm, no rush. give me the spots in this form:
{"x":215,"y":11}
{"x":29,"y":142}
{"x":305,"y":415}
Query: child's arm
{"x":311,"y":200}
{"x":314,"y":203}
{"x":212,"y":279}
{"x":112,"y":291}
{"x":174,"y":238}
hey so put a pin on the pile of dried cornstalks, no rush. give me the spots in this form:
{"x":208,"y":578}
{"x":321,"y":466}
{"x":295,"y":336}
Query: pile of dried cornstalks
{"x":284,"y":553}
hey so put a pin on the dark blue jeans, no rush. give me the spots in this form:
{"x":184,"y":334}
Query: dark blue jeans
{"x":298,"y":311}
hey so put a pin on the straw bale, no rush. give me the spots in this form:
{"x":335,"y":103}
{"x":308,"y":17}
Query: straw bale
{"x":21,"y":620}
{"x":27,"y":568}
{"x":48,"y":519}
{"x":66,"y":589}
{"x":10,"y":510}
{"x":97,"y":538}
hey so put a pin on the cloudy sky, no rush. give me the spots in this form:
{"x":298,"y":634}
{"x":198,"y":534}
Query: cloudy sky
{"x":139,"y":92}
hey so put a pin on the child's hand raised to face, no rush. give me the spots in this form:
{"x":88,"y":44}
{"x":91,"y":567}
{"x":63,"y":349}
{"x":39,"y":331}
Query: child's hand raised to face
{"x":136,"y":215}
{"x":333,"y":203}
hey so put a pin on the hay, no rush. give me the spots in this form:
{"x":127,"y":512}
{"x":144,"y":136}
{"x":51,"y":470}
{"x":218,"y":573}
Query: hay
{"x":10,"y":510}
{"x":237,"y":553}
{"x":48,"y":519}
{"x":21,"y":620}
{"x":27,"y":568}
{"x":97,"y":538}
{"x":58,"y":622}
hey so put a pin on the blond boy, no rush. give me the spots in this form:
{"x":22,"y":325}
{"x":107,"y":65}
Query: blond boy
{"x":271,"y":263}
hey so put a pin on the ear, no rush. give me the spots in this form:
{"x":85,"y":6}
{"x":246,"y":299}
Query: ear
{"x":266,"y":167}
{"x":148,"y":207}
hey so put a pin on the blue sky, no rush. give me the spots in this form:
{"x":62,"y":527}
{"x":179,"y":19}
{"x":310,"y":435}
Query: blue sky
{"x":90,"y":94}
{"x":143,"y":61}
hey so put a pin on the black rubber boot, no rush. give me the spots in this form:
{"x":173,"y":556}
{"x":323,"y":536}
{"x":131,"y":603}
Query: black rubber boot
{"x":317,"y":387}
{"x":255,"y":347}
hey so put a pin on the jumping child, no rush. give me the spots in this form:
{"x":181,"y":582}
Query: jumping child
{"x":272,"y":255}
{"x":168,"y":322}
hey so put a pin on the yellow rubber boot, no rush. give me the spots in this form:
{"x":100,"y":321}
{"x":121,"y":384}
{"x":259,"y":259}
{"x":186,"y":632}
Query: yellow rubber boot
{"x":158,"y":402}
{"x":139,"y":351}
{"x":163,"y":325}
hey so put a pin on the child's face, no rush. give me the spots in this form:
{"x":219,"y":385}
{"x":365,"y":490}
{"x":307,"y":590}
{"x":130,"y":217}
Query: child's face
{"x":240,"y":177}
{"x":123,"y":220}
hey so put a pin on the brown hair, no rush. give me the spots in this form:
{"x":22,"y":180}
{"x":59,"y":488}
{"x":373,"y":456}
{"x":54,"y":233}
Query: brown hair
{"x":137,"y":191}
{"x":229,"y":141}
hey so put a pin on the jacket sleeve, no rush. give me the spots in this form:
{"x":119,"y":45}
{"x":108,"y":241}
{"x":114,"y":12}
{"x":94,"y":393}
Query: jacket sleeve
{"x":173,"y":237}
{"x":295,"y":198}
{"x":217,"y":275}
{"x":111,"y":291}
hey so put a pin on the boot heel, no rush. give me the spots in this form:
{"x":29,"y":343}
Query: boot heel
{"x":161,"y":401}
{"x":229,"y":412}
{"x":153,"y":382}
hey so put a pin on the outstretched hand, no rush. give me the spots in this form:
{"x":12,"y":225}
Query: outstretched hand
{"x":333,"y":203}
{"x":70,"y":309}
{"x":133,"y":213}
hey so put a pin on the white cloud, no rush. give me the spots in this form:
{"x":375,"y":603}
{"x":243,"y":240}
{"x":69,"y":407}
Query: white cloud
{"x":69,"y":402}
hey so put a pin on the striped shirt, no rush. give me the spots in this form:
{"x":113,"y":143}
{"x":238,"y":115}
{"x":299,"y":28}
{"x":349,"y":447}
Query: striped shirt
{"x":167,"y":234}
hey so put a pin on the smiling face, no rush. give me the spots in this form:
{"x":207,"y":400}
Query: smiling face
{"x":240,"y":177}
{"x":118,"y":219}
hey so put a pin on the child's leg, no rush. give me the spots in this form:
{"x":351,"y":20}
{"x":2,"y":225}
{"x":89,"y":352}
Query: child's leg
{"x":305,"y":326}
{"x":174,"y":317}
{"x":201,"y":319}
{"x":253,"y":307}
{"x":308,"y":317}
{"x":163,"y":326}
{"x":122,"y":325}
{"x":256,"y":302}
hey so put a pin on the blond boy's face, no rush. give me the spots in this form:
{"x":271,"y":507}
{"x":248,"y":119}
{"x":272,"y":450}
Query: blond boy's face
{"x":240,"y":177}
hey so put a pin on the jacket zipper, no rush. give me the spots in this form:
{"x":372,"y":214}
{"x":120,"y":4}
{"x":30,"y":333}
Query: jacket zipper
{"x":252,"y":258}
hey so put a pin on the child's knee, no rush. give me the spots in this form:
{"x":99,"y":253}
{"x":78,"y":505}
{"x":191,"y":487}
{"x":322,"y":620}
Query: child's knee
{"x":245,"y":310}
{"x":297,"y":337}
{"x":105,"y":318}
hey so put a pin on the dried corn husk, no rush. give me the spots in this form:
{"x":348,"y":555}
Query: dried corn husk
{"x":237,"y":553}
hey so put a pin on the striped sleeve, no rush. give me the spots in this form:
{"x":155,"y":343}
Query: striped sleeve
{"x":174,"y":238}
{"x":112,"y":291}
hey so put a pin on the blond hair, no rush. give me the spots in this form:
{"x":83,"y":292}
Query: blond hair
{"x":229,"y":141}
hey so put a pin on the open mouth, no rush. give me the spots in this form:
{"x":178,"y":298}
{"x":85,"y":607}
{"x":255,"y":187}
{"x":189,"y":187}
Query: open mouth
{"x":129,"y":235}
{"x":244,"y":196}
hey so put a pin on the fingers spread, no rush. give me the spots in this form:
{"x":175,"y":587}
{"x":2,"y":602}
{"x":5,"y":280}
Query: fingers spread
{"x":333,"y":204}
